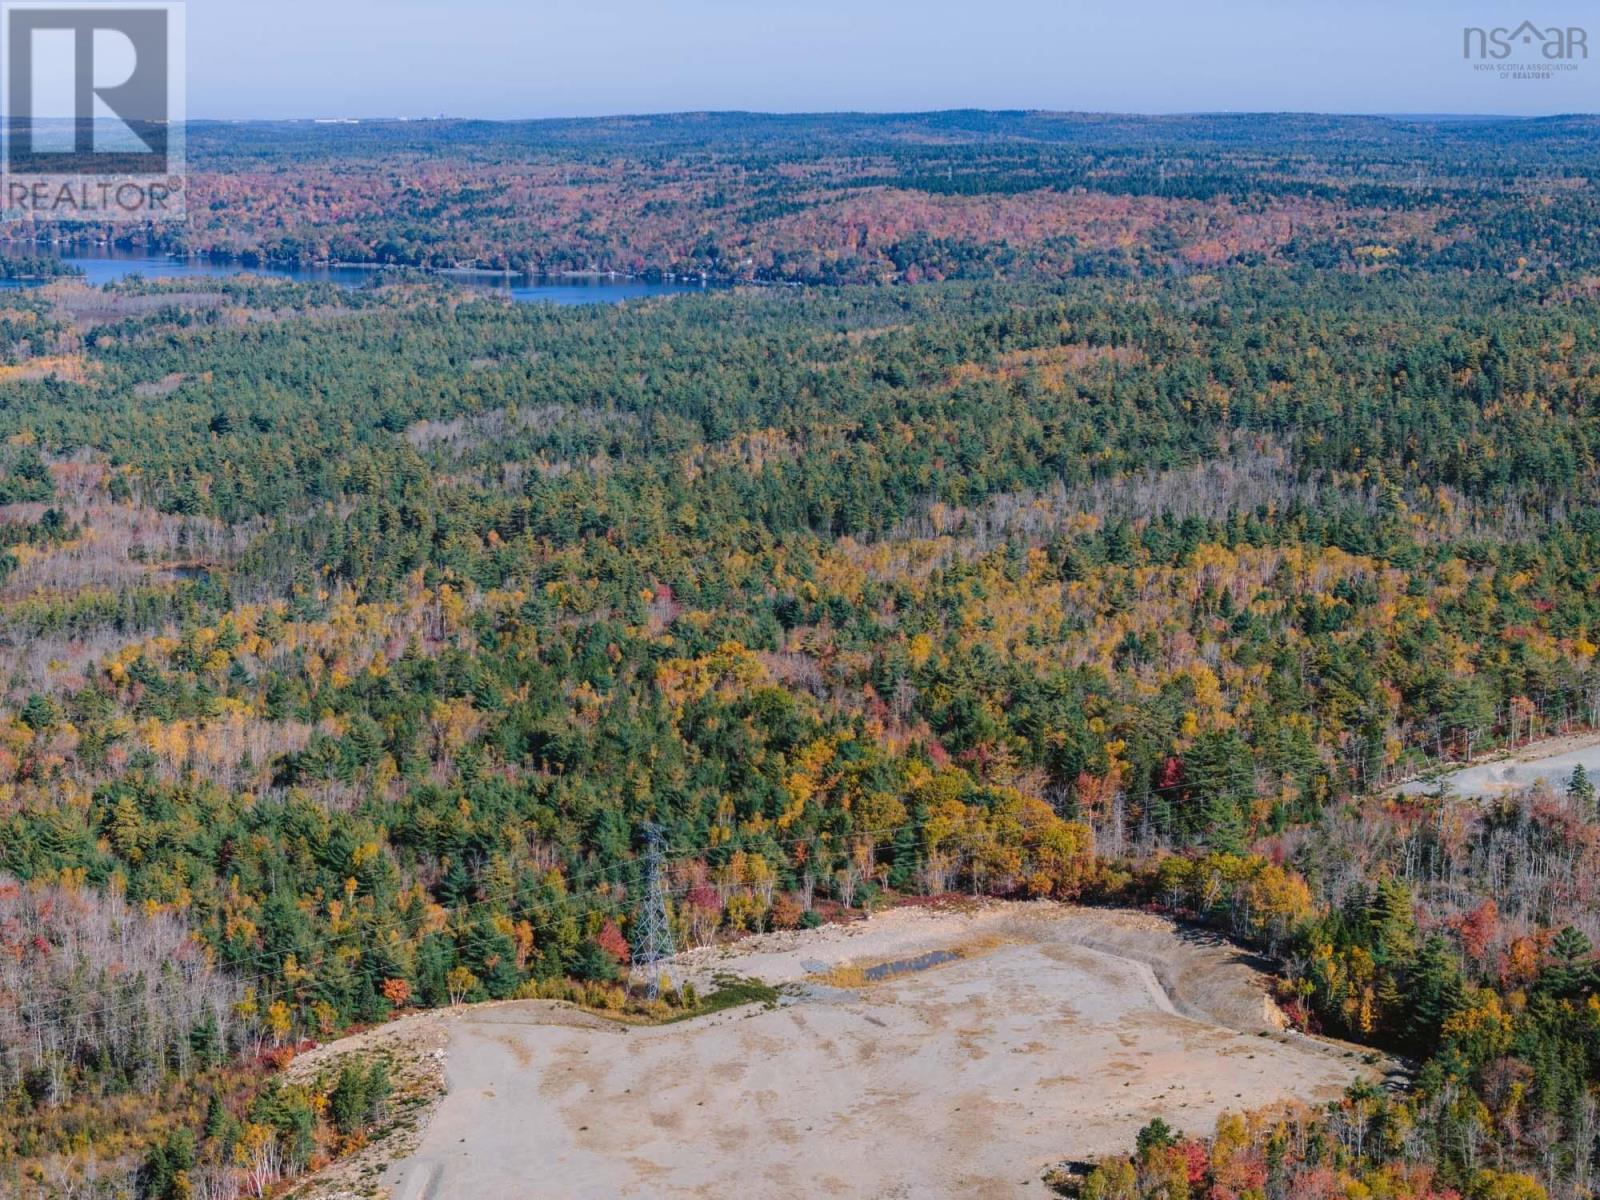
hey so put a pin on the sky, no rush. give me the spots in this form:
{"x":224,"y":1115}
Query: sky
{"x":547,"y":58}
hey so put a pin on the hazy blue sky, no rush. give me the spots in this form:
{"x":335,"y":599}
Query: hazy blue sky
{"x":535,"y":58}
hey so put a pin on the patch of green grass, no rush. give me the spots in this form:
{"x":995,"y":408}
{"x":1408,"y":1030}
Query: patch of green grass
{"x":731,"y":991}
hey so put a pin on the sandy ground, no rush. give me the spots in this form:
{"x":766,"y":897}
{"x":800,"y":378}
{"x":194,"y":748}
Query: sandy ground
{"x":1052,"y":1037}
{"x":1550,"y":759}
{"x":414,"y":1048}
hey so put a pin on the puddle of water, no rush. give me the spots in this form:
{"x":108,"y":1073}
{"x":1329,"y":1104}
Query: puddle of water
{"x":903,"y":966}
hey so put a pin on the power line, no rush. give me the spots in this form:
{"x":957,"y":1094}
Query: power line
{"x":1363,"y":774}
{"x":395,"y":923}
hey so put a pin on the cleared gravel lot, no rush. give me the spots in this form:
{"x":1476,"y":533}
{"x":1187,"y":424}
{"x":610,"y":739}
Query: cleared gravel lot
{"x":1058,"y":1033}
{"x":1550,"y":760}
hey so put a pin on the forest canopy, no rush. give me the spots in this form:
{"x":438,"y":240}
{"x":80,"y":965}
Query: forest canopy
{"x":1136,"y":503}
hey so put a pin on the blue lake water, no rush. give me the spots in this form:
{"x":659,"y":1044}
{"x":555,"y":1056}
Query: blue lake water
{"x":106,"y":264}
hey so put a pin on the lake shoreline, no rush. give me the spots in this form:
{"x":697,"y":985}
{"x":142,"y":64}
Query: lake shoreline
{"x":100,"y":263}
{"x":74,"y":250}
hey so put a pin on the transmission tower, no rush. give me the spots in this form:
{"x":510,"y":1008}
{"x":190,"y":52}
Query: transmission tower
{"x":655,"y":936}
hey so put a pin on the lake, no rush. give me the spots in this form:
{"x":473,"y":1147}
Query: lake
{"x":107,"y":264}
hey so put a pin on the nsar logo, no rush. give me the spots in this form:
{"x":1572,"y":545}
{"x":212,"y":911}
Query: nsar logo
{"x":1555,"y":44}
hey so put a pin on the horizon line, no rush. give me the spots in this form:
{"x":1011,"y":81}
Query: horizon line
{"x":1392,"y":115}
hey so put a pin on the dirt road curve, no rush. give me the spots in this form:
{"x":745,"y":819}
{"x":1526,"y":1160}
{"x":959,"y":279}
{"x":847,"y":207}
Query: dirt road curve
{"x":961,"y":1080}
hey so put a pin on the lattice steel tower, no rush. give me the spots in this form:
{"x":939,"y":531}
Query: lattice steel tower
{"x":655,"y":933}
